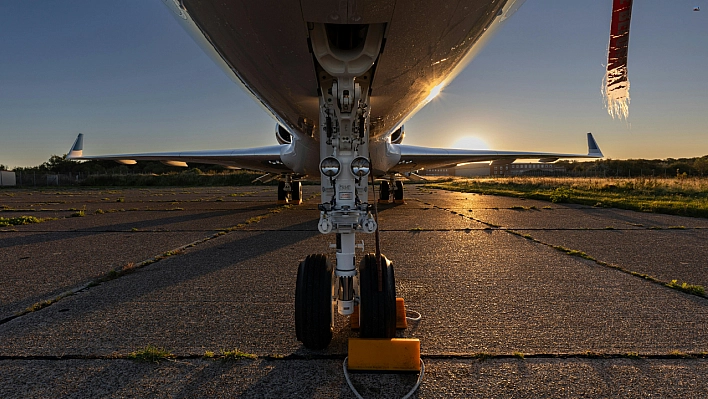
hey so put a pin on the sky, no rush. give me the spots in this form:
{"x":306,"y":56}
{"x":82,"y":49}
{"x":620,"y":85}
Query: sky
{"x":130,"y":78}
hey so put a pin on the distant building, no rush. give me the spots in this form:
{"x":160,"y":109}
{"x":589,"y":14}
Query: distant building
{"x":7,"y":178}
{"x":464,"y":170}
{"x":496,"y":168}
{"x":533,"y":169}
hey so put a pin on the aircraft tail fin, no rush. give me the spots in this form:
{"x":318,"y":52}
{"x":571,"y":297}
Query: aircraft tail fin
{"x":593,"y":148}
{"x":77,"y":150}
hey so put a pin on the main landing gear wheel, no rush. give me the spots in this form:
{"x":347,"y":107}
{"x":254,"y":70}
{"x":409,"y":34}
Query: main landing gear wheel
{"x":398,"y":192}
{"x":313,"y":302}
{"x":384,"y":192}
{"x":296,"y":193}
{"x":377,"y":318}
{"x":282,"y":194}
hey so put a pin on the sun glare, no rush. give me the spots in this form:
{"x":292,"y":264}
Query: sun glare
{"x":434,"y":92}
{"x":471,"y":143}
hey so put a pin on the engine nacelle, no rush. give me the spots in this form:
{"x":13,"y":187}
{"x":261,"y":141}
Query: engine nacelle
{"x":397,"y":136}
{"x":282,"y":135}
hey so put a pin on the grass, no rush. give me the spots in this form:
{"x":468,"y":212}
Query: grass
{"x":21,"y":220}
{"x":78,"y":214}
{"x":236,"y":355}
{"x":43,"y":304}
{"x":151,"y":354}
{"x":573,"y":252}
{"x":687,"y":197}
{"x":687,"y":288}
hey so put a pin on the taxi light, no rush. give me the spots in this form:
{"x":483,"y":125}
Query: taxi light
{"x":360,"y":166}
{"x":330,"y":167}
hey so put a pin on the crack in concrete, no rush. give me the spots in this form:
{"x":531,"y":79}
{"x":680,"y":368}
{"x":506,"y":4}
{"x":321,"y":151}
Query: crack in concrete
{"x":341,"y":356}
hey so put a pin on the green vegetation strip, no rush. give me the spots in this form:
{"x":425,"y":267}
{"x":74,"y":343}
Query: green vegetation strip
{"x":22,"y":220}
{"x":673,"y":196}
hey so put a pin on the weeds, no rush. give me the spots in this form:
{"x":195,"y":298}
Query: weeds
{"x":236,"y":355}
{"x":43,"y":304}
{"x":573,"y":252}
{"x":687,"y":288}
{"x":21,"y":220}
{"x":151,"y":354}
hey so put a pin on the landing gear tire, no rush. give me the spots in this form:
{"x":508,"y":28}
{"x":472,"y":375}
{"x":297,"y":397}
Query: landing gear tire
{"x":282,"y":194}
{"x":313,"y":302}
{"x":384,"y":192}
{"x":377,"y":309}
{"x":296,"y":193}
{"x":398,"y":192}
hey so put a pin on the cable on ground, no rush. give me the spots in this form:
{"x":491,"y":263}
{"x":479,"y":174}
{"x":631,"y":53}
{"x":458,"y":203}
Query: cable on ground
{"x":408,"y":395}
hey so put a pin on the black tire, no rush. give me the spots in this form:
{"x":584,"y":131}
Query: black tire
{"x":313,"y":302}
{"x":296,"y":193}
{"x":282,"y":194}
{"x":384,"y":191}
{"x":377,"y":309}
{"x":398,"y":192}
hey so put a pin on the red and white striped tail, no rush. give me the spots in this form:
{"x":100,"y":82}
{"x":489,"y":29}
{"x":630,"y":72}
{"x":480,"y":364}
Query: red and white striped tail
{"x":616,"y":84}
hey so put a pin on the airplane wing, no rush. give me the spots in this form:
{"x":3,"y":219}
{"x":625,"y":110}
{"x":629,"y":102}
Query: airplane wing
{"x":414,"y":158}
{"x":265,"y":159}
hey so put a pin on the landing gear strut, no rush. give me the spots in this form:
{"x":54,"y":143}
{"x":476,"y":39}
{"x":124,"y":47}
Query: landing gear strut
{"x":344,"y":77}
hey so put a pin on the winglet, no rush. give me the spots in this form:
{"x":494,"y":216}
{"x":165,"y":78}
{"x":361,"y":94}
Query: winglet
{"x":593,"y":148}
{"x":77,"y":150}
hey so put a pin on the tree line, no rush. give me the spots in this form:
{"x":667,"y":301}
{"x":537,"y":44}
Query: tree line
{"x":669,"y":167}
{"x":59,"y":164}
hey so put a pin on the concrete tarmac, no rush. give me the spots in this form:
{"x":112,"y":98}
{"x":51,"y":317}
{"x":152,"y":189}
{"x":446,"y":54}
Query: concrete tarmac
{"x":508,"y":309}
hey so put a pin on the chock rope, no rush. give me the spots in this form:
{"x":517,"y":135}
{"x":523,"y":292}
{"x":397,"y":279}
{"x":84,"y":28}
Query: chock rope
{"x":408,"y":395}
{"x":416,"y":318}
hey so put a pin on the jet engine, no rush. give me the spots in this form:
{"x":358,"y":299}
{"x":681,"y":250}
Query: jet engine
{"x":397,"y":136}
{"x":282,"y":135}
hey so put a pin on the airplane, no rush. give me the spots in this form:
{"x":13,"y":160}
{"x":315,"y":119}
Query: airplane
{"x":341,"y":78}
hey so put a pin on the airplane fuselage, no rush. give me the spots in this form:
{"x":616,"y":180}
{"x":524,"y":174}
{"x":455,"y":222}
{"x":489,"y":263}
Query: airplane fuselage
{"x":266,"y":47}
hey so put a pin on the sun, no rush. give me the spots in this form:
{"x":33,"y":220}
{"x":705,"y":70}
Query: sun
{"x":471,"y":143}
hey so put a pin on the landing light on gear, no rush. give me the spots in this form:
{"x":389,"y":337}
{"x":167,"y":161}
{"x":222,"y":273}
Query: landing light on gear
{"x":360,"y":166}
{"x":330,"y":167}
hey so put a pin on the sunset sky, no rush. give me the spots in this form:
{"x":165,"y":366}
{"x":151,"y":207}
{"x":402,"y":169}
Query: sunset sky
{"x":127,"y":76}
